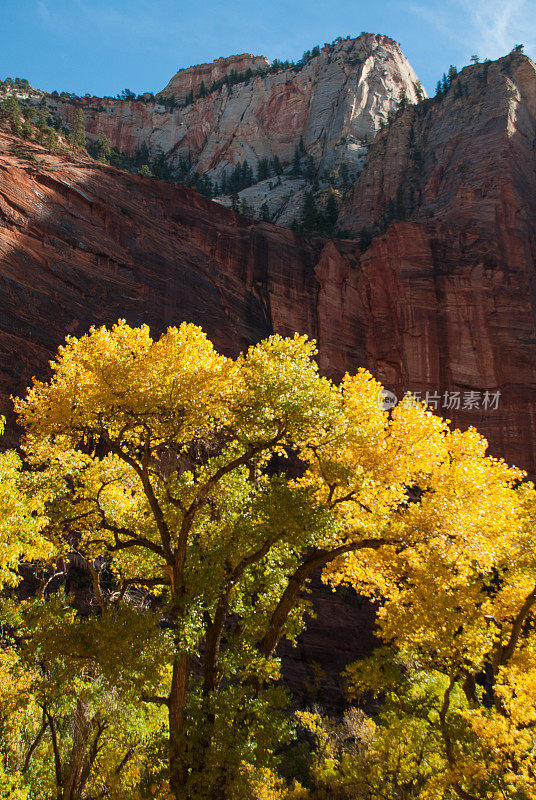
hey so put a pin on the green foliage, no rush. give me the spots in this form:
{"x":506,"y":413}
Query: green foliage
{"x":313,"y":219}
{"x":201,"y":494}
{"x":126,"y":94}
{"x":332,"y":209}
{"x":16,"y":85}
{"x":77,"y":136}
{"x":263,"y":169}
{"x":446,"y":82}
{"x":265,"y":213}
{"x":240,"y":178}
{"x":67,"y":713}
{"x":309,"y":212}
{"x":145,"y":171}
{"x":11,"y":110}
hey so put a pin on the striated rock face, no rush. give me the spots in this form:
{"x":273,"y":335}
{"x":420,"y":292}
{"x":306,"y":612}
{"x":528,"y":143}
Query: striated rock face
{"x":441,"y":301}
{"x":82,"y":243}
{"x":190,"y":80}
{"x":450,"y":282}
{"x":462,"y":160}
{"x":334,"y":105}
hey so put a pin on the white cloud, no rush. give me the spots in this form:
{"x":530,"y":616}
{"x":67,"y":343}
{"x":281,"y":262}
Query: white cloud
{"x":488,"y":28}
{"x":502,"y":24}
{"x":42,"y":8}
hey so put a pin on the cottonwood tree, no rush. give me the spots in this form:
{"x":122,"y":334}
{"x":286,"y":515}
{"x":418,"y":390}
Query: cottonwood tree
{"x":458,"y":613}
{"x":21,"y":522}
{"x":69,"y":726}
{"x":221,"y":485}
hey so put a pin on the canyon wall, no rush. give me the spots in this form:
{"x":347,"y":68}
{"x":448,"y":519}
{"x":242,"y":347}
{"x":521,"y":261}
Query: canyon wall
{"x":331,"y":106}
{"x":449,"y":190}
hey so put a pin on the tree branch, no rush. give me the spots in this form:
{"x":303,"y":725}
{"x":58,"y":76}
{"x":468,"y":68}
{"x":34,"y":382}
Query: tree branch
{"x":288,"y":599}
{"x":215,"y":627}
{"x":35,"y":744}
{"x":449,"y":750}
{"x":503,"y":654}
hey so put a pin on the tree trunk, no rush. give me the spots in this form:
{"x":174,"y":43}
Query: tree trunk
{"x":81,"y":731}
{"x":178,"y":747}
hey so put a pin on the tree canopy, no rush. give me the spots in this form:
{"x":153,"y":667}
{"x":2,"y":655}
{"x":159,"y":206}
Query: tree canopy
{"x":201,"y":493}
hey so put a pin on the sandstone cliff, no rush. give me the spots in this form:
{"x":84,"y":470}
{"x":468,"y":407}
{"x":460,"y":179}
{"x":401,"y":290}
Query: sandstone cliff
{"x":333,"y":104}
{"x":189,"y":80}
{"x":443,"y":299}
{"x":450,"y":190}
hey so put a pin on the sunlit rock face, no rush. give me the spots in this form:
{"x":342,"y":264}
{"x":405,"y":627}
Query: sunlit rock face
{"x":190,"y":80}
{"x":331,"y":107}
{"x":450,"y":190}
{"x":441,"y":301}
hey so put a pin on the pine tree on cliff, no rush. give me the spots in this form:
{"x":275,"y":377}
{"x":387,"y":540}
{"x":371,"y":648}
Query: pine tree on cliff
{"x":310,"y":213}
{"x":262,"y":169}
{"x":296,"y":166}
{"x":78,"y":136}
{"x":332,"y":210}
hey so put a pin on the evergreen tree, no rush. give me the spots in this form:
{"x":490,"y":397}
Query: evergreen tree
{"x":296,"y":165}
{"x":402,"y":100}
{"x":26,"y":130}
{"x":102,"y":149}
{"x":278,"y":169}
{"x":332,"y":210}
{"x":161,"y":169}
{"x":309,"y":212}
{"x":310,"y":169}
{"x":142,"y":155}
{"x":10,"y":109}
{"x":78,"y":136}
{"x":262,"y":169}
{"x":265,"y":213}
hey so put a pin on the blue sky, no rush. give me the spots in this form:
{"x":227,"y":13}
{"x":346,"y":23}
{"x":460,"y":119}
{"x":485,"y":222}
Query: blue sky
{"x":101,"y":46}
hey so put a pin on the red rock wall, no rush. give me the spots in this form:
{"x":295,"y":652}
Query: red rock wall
{"x":190,"y":80}
{"x":427,"y":307}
